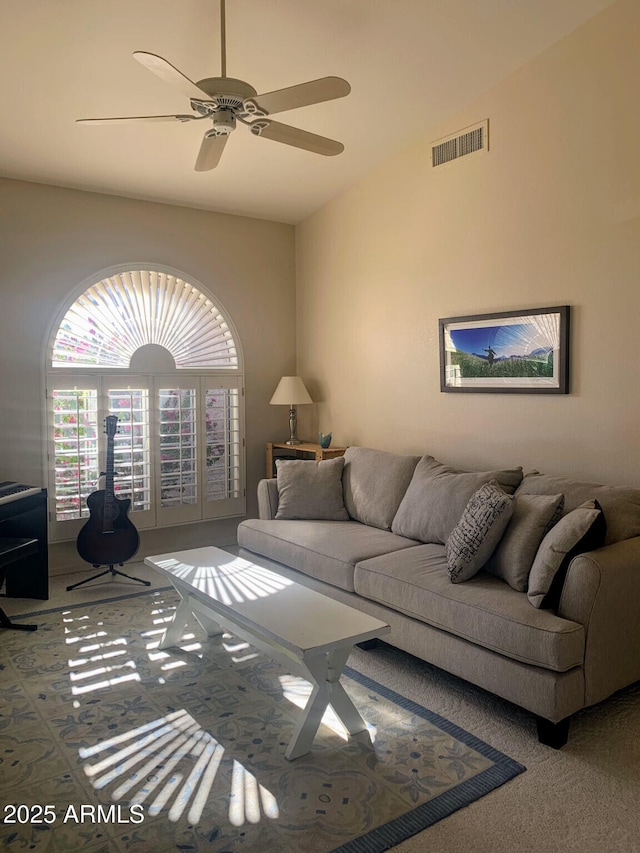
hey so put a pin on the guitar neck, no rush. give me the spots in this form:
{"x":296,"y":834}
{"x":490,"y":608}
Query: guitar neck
{"x":109,"y":494}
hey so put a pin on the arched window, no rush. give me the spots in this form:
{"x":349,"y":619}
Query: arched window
{"x":156,"y":351}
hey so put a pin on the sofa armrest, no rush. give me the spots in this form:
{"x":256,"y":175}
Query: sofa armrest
{"x":267,"y":498}
{"x":602,"y":593}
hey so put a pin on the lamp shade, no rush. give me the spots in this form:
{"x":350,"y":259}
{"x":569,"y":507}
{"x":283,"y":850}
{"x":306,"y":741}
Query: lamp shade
{"x":290,"y":392}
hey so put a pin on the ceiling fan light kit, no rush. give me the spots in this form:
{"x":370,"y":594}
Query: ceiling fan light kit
{"x":226,"y":100}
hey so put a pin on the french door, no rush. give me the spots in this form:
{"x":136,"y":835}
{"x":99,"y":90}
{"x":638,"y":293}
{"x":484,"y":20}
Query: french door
{"x":178,"y":452}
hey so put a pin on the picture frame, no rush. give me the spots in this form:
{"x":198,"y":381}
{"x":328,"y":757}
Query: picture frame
{"x":513,"y":352}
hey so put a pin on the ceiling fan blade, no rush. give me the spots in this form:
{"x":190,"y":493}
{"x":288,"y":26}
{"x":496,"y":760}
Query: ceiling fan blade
{"x":296,"y":137}
{"x":314,"y":92}
{"x":134,"y":118}
{"x":169,"y":74}
{"x":210,"y":151}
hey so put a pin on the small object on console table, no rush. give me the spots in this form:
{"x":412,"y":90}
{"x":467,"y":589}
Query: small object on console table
{"x":325,"y":439}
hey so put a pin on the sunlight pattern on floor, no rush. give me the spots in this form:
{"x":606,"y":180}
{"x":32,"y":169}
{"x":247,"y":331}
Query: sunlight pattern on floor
{"x":100,"y":676}
{"x":154,"y":751}
{"x":170,"y":761}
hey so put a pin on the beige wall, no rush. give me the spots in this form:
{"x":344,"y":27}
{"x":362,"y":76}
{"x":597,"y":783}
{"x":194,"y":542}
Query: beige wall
{"x":52,"y":239}
{"x":550,"y":216}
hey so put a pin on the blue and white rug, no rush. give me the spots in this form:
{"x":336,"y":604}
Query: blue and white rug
{"x":110,"y":744}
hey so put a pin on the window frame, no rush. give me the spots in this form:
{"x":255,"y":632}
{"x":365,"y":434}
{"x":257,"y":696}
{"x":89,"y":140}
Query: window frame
{"x":152,"y":377}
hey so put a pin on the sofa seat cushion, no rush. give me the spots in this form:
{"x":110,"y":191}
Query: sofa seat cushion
{"x":327,"y":550}
{"x":484,"y":610}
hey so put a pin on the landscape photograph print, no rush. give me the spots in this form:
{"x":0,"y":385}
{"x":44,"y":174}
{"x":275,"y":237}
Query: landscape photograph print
{"x":525,"y":351}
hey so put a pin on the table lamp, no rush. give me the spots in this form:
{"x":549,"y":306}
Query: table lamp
{"x":291,"y":392}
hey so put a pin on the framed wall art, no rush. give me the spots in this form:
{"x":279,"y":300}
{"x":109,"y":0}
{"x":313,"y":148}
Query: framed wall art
{"x":524,"y":352}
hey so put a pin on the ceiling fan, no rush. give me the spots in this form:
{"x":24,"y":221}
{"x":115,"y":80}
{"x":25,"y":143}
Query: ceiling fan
{"x":225,"y":100}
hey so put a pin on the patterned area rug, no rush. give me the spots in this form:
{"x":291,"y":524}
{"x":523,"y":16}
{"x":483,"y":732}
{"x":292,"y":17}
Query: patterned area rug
{"x":109,"y":743}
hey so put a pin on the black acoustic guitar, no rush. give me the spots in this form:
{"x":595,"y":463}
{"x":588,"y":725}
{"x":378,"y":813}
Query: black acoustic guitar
{"x":109,"y":536}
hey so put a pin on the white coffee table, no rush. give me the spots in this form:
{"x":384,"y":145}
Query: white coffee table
{"x":309,"y":632}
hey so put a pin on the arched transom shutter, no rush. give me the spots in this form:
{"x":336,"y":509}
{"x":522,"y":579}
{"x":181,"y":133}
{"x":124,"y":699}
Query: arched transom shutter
{"x":116,"y":316}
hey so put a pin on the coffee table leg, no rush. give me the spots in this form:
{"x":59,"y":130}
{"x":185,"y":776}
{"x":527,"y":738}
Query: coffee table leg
{"x":209,"y":624}
{"x":175,"y":628}
{"x":325,"y":672}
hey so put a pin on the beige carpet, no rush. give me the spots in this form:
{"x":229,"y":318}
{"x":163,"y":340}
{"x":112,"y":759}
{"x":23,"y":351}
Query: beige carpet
{"x":585,"y":797}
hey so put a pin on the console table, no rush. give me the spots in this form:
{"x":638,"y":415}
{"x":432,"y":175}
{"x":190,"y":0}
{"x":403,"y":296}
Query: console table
{"x":305,"y":450}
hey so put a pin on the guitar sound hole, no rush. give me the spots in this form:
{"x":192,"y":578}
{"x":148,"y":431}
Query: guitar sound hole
{"x":110,"y":513}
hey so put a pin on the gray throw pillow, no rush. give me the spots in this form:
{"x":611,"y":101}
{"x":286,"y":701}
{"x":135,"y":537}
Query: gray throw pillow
{"x":620,"y":504}
{"x":310,"y":490}
{"x":475,"y":536}
{"x":583,"y":529}
{"x":533,"y":516}
{"x":437,"y":496}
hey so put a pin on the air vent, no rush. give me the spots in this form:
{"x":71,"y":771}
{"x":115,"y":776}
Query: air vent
{"x":470,"y":140}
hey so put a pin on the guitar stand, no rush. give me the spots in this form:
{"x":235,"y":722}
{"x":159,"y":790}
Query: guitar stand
{"x":111,"y":570}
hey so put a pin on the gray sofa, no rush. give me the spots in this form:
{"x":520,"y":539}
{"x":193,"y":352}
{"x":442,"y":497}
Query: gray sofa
{"x":378,"y":541}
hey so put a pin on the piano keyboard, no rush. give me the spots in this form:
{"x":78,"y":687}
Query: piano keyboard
{"x":10,"y":491}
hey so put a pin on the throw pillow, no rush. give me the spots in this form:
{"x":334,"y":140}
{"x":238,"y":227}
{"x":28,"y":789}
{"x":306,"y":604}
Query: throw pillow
{"x":583,"y":529}
{"x":475,"y":536}
{"x":310,"y":490}
{"x":437,"y":496}
{"x":533,"y":516}
{"x":620,"y":504}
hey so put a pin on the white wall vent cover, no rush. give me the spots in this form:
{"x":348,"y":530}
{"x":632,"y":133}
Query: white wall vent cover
{"x":462,"y":143}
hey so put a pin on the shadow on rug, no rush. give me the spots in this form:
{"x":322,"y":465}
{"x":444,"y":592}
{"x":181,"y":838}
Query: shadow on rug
{"x":110,"y":743}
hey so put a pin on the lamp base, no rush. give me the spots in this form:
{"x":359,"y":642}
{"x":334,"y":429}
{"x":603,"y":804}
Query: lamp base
{"x":293,"y":425}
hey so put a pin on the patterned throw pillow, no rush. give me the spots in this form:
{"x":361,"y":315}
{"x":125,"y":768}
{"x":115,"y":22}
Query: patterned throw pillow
{"x":478,"y":532}
{"x":582,"y":529}
{"x":311,"y":490}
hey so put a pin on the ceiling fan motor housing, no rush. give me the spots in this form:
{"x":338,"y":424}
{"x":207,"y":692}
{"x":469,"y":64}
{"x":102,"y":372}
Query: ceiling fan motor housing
{"x":224,"y":122}
{"x":230,"y":88}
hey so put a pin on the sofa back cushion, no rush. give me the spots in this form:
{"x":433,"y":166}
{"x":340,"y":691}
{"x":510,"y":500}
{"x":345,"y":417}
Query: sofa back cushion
{"x":374,"y":483}
{"x":620,"y":505}
{"x":437,"y":496}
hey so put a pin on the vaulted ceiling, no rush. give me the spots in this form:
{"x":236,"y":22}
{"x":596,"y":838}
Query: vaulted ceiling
{"x":410,"y":63}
